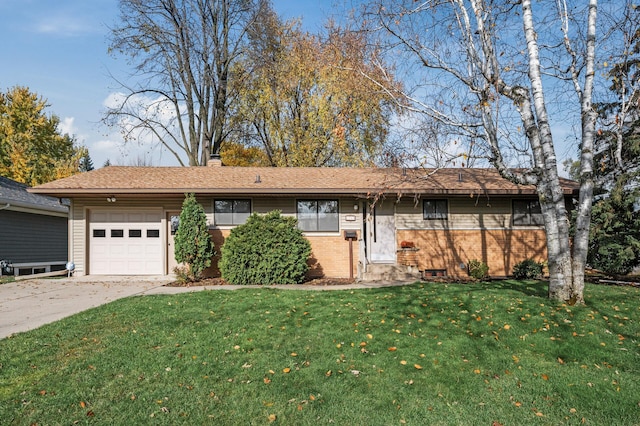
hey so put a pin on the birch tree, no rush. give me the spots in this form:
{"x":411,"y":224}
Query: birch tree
{"x":183,"y":53}
{"x":508,"y":75}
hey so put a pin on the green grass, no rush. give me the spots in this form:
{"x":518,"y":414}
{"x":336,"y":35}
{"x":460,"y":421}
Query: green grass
{"x":437,"y":354}
{"x":6,"y":279}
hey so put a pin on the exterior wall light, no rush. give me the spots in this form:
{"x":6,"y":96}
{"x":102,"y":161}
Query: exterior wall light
{"x":111,"y":199}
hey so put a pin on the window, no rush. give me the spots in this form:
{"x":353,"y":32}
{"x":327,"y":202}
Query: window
{"x":99,"y":233}
{"x":435,"y":209}
{"x":117,"y":233}
{"x":135,"y":233}
{"x":174,"y":220}
{"x":318,"y":215}
{"x":153,"y":233}
{"x":527,"y":212}
{"x":231,"y":212}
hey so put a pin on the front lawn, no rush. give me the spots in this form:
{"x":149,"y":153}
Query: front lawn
{"x":495,"y":353}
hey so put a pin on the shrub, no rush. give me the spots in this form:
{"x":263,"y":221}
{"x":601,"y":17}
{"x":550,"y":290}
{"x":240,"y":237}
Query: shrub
{"x":193,"y":244}
{"x":478,"y":269}
{"x":528,"y":269}
{"x":267,"y":249}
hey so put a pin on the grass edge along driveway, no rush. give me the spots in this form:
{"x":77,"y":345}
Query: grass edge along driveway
{"x":496,"y":353}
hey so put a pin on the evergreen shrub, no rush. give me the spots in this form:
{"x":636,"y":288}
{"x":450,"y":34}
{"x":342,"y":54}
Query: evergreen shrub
{"x":193,"y":245}
{"x":267,"y":249}
{"x":478,"y":269}
{"x":528,"y":269}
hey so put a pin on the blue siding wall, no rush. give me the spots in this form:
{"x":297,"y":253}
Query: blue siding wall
{"x":26,"y":237}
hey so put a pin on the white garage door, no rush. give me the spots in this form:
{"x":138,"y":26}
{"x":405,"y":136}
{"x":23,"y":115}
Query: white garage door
{"x":125,"y":243}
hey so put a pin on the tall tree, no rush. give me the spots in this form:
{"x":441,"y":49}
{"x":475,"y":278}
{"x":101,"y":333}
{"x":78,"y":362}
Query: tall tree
{"x":309,"y":100}
{"x":86,"y":163}
{"x":183,"y":53}
{"x":498,"y":72}
{"x":614,"y":244}
{"x":32,"y":148}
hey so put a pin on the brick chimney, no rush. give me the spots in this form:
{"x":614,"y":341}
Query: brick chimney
{"x":214,"y":160}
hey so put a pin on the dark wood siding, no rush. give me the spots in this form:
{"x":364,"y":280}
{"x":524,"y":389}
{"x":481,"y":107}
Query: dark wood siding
{"x":27,"y":238}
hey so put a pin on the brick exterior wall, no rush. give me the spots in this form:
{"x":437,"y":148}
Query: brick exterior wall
{"x":329,"y":256}
{"x":436,"y":250}
{"x":499,"y":249}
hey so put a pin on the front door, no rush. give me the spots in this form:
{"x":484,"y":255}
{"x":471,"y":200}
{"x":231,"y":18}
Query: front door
{"x":173,"y":220}
{"x":381,"y":233}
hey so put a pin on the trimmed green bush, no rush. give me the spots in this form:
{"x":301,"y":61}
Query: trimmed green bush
{"x":478,"y":269}
{"x":193,"y":245}
{"x":267,"y":249}
{"x":528,"y":269}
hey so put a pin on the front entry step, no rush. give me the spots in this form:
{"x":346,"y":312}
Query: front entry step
{"x":390,"y":272}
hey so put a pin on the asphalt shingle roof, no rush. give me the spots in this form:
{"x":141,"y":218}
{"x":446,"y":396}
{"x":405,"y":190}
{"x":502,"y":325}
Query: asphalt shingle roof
{"x":274,"y":181}
{"x":15,"y":193}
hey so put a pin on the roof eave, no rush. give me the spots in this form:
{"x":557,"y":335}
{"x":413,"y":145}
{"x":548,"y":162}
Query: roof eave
{"x":88,"y":192}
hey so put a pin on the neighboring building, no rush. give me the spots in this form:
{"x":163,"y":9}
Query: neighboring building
{"x":122,"y":219}
{"x":33,"y":231}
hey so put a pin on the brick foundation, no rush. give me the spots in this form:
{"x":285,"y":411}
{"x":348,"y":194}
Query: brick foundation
{"x":452,"y":250}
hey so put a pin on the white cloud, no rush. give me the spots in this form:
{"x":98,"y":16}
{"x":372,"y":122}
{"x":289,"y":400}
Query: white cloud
{"x":64,"y":25}
{"x":66,"y":126}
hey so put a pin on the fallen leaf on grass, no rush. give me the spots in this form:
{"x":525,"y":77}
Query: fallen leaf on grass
{"x":403,"y":362}
{"x":272,"y":417}
{"x":393,"y":349}
{"x":82,"y":404}
{"x":417,"y":366}
{"x":286,"y":370}
{"x":544,"y":377}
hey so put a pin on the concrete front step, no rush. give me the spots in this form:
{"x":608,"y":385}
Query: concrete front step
{"x":390,"y":272}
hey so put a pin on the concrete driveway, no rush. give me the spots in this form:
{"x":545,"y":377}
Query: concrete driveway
{"x":28,"y":304}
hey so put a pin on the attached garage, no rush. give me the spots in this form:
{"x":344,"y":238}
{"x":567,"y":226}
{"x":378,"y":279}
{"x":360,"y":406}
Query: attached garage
{"x":125,"y":242}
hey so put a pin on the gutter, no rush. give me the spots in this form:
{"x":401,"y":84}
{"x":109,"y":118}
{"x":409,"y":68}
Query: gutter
{"x":61,"y":209}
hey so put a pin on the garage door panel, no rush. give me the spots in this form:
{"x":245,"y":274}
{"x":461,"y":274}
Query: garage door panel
{"x":127,"y":243}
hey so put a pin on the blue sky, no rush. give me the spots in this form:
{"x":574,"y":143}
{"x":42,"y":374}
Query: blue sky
{"x":59,"y":50}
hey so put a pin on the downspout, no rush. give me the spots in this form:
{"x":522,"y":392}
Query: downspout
{"x":350,"y":259}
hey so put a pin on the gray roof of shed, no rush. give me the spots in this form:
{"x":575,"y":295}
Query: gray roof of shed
{"x":14,"y":193}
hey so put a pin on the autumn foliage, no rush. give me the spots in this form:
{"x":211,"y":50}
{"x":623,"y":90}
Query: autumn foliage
{"x":32,"y":148}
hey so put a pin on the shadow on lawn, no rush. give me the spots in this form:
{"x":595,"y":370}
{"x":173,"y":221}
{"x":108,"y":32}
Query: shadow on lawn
{"x":526,"y":287}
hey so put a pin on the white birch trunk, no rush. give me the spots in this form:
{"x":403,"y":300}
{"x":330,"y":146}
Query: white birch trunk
{"x":583,"y":219}
{"x":549,"y":190}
